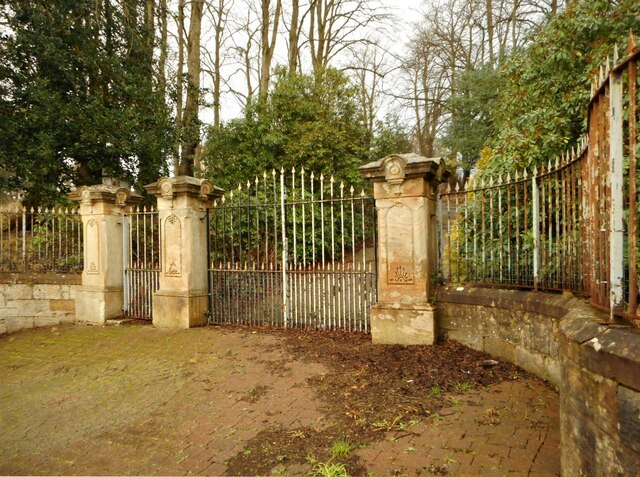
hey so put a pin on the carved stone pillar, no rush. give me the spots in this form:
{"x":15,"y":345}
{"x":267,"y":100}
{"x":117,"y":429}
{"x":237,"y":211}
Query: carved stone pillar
{"x":181,"y":300}
{"x":405,"y":194}
{"x":101,"y":207}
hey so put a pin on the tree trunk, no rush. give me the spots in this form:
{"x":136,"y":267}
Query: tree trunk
{"x":149,"y":35}
{"x":190,"y":117}
{"x":267,"y":45}
{"x":162,"y":61}
{"x":219,"y":29}
{"x":490,"y":31}
{"x":177,"y":149}
{"x":294,"y":33}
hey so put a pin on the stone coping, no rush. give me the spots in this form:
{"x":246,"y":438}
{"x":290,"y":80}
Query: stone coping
{"x":49,"y":278}
{"x":612,"y":351}
{"x":407,"y":166}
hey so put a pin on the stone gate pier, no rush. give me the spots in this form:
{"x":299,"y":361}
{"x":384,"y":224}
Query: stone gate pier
{"x":405,"y":194}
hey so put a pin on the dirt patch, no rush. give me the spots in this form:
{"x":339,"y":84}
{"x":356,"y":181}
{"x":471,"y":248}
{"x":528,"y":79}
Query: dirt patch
{"x":368,"y":391}
{"x":256,"y":393}
{"x":278,"y":451}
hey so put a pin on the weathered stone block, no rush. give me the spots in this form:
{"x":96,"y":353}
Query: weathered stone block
{"x":539,"y":334}
{"x":628,"y":402}
{"x":508,"y":326}
{"x":3,"y":326}
{"x":10,"y":309}
{"x":500,"y":349}
{"x":592,"y":395}
{"x":73,"y":290}
{"x":609,"y":456}
{"x":19,"y":292}
{"x":532,"y":361}
{"x":179,"y":310}
{"x":17,"y":323}
{"x":95,"y":306}
{"x":467,"y":338}
{"x":68,"y":306}
{"x":33,"y":308}
{"x":448,"y":320}
{"x":48,"y":320}
{"x":554,"y":371}
{"x":47,"y":292}
{"x":578,"y":438}
{"x":401,"y":323}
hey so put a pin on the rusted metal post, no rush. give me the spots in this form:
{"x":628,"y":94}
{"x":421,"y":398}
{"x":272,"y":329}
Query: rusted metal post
{"x":633,"y":285}
{"x":616,"y":167}
{"x":535,"y":224}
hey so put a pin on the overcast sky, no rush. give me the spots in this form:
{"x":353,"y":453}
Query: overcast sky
{"x":407,"y":12}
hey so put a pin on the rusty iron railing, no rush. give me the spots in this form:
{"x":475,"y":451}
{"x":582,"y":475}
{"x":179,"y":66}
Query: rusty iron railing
{"x":570,"y":226}
{"x":40,"y":239}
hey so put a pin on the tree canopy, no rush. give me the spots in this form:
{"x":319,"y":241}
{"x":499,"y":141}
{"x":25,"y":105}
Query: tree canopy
{"x":309,"y":120}
{"x":541,"y":108}
{"x":77,"y":97}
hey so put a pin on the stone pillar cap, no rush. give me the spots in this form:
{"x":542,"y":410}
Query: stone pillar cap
{"x":167,"y":187}
{"x":119,"y":196}
{"x":395,"y":168}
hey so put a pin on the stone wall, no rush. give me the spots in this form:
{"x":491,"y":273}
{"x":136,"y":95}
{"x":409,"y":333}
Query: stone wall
{"x":30,"y":301}
{"x":599,"y":397}
{"x":520,"y":327}
{"x":563,"y":340}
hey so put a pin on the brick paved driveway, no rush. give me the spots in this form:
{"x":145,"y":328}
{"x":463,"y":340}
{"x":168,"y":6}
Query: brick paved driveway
{"x":136,"y":400}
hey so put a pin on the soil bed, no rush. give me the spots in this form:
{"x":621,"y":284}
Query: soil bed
{"x":368,"y":391}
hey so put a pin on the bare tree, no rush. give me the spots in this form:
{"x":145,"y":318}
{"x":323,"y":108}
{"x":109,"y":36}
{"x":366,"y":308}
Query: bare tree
{"x":337,"y":25}
{"x":217,"y":15}
{"x":268,"y":36}
{"x":368,"y":69}
{"x":245,"y":49}
{"x":295,"y":27}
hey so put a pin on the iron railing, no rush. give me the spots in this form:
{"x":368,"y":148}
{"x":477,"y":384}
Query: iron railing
{"x":572,"y":225}
{"x":524,"y":231}
{"x":40,"y":239}
{"x":142,"y":265}
{"x":293,"y":249}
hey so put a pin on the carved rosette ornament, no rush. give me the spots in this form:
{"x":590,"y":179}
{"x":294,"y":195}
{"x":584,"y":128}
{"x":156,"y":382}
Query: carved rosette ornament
{"x":394,"y":172}
{"x":165,"y":187}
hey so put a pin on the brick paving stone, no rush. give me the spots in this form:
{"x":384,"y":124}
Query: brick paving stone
{"x":141,"y":401}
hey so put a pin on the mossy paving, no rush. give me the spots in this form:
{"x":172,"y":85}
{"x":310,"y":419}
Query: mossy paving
{"x":137,"y":400}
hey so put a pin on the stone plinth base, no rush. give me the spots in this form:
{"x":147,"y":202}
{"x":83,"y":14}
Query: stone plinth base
{"x":405,"y":324}
{"x":97,"y":305}
{"x":179,"y":310}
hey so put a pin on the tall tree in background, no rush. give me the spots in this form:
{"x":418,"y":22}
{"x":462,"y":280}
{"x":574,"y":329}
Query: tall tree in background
{"x":190,"y":122}
{"x":339,"y":25}
{"x":458,"y":40}
{"x":213,"y":51}
{"x":295,"y":30}
{"x":268,"y":36}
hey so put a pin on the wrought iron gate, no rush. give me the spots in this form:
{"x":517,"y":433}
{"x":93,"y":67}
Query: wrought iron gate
{"x":293,"y":250}
{"x":141,"y":261}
